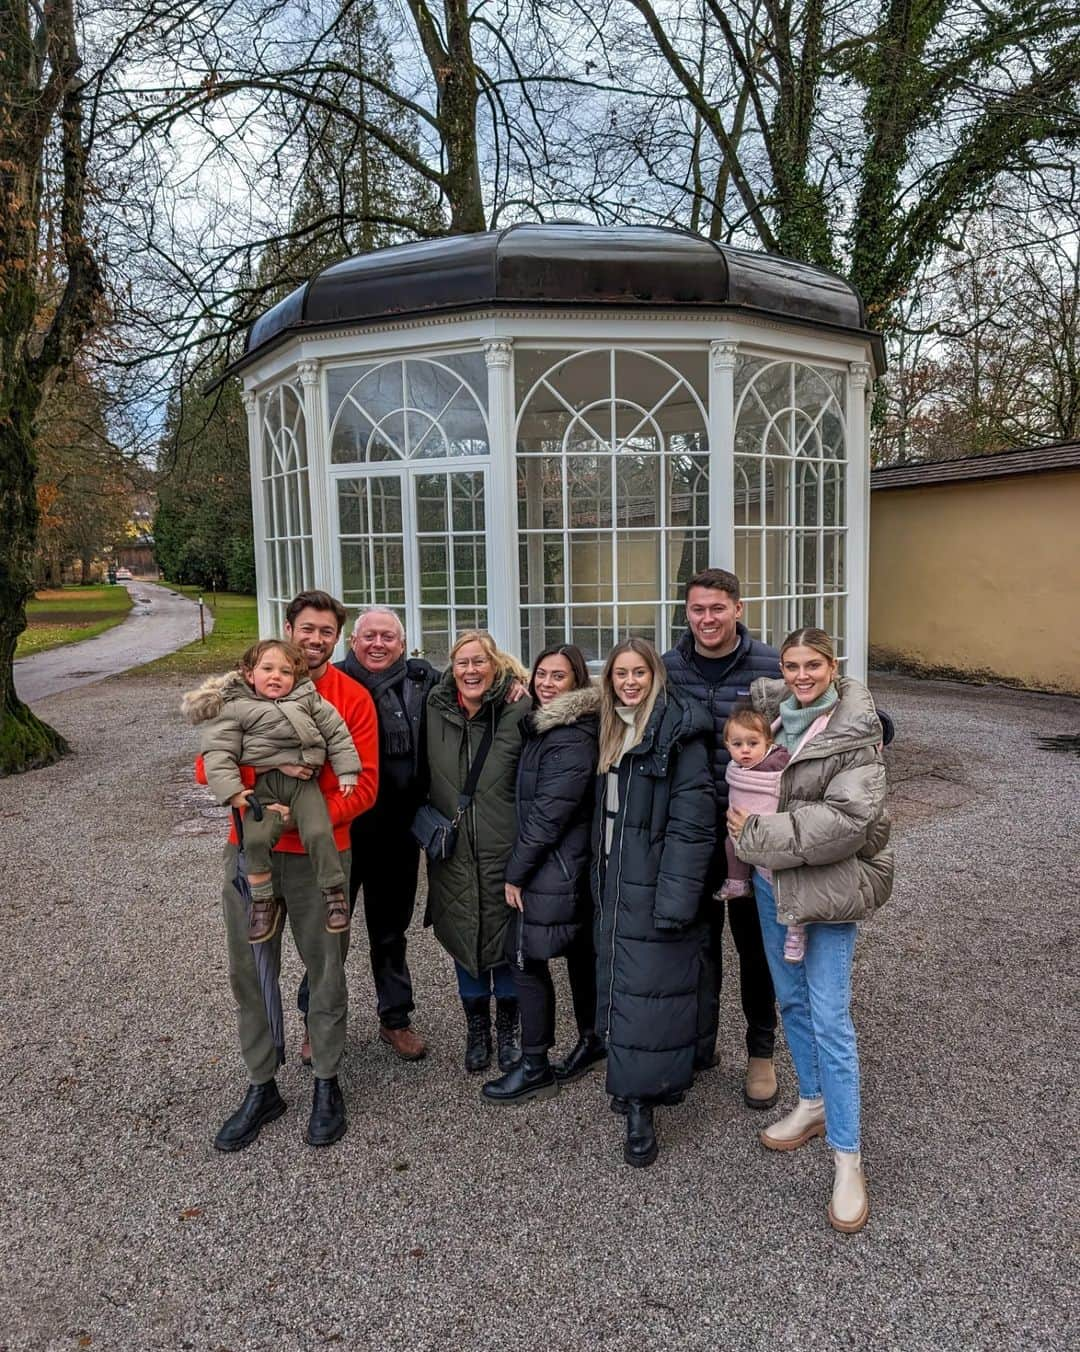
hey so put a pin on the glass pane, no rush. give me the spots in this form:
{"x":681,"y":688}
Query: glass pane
{"x":389,"y":587}
{"x":637,"y":489}
{"x":639,"y":566}
{"x":747,"y":491}
{"x":776,"y":498}
{"x":385,"y":493}
{"x":584,"y":379}
{"x":424,"y":438}
{"x":470,"y":572}
{"x":464,"y":427}
{"x":833,"y":561}
{"x":590,"y":434}
{"x":807,"y":499}
{"x":272,"y":415}
{"x":834,"y":611}
{"x":832,"y":496}
{"x":688,"y":490}
{"x":472,"y":368}
{"x":435,"y":636}
{"x":592,"y":630}
{"x":529,"y":365}
{"x":351,"y":432}
{"x":339,"y":381}
{"x":805,"y":546}
{"x":688,"y":553}
{"x":635,"y":430}
{"x":355,"y":576}
{"x":352,"y":507}
{"x":590,"y":568}
{"x":588,"y":481}
{"x":637,"y":621}
{"x":748,"y":561}
{"x":429,"y":387}
{"x":434,"y":559}
{"x":540,"y":627}
{"x":832,"y":434}
{"x":467,"y":501}
{"x":430,"y":496}
{"x":752,"y":617}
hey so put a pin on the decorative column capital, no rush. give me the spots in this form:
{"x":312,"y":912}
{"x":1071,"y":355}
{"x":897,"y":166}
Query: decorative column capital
{"x":499,"y":352}
{"x":860,"y":375}
{"x":308,"y":371}
{"x":247,"y":398}
{"x":724,"y":355}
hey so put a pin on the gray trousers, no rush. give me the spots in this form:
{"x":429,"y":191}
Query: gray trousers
{"x":307,"y":806}
{"x":322,"y":954}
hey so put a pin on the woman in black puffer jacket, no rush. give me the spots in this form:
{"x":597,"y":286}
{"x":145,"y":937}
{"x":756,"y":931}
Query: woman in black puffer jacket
{"x":547,"y":876}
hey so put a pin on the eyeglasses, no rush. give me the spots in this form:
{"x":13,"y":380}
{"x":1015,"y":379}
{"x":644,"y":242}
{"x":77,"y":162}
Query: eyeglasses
{"x":464,"y":663}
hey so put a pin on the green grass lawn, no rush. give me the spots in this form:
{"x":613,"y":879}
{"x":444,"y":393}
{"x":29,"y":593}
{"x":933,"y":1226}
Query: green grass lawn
{"x":70,"y":614}
{"x":236,"y":627}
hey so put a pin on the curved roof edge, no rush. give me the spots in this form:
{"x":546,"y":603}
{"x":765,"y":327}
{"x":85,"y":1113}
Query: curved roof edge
{"x":561,"y":265}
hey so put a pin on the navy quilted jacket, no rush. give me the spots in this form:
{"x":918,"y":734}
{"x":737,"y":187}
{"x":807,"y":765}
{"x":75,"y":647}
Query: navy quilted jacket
{"x":750,"y":660}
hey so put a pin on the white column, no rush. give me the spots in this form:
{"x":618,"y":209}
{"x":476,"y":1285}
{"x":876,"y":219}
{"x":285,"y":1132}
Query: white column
{"x":859,"y":388}
{"x":722,"y":358}
{"x":258,"y":512}
{"x":318,"y":459}
{"x":500,"y":509}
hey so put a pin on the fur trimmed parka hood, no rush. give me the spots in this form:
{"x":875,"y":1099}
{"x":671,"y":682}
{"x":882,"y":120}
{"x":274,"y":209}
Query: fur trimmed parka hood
{"x":565,"y":710}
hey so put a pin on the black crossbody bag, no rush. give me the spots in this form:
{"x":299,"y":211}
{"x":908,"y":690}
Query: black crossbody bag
{"x":436,"y":834}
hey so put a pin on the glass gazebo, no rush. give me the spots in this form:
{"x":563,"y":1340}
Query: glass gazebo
{"x":545,"y":430}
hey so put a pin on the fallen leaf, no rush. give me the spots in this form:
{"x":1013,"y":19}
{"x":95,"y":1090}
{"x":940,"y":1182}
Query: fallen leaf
{"x":400,"y":1166}
{"x":190,"y":1213}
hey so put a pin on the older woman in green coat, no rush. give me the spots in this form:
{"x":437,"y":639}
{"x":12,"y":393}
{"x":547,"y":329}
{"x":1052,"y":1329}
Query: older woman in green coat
{"x":466,"y":896}
{"x":821,"y":860}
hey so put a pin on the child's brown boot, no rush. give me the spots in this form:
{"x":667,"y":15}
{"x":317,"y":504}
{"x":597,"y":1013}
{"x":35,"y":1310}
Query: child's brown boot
{"x":337,"y":911}
{"x":264,"y":918}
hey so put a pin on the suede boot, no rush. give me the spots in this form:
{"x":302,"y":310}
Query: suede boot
{"x":805,"y":1121}
{"x":507,"y":1033}
{"x":262,"y":1103}
{"x":327,"y":1122}
{"x":531,"y":1078}
{"x":849,"y":1206}
{"x":640,"y":1149}
{"x":759,"y":1087}
{"x":477,"y":1034}
{"x":590,"y":1050}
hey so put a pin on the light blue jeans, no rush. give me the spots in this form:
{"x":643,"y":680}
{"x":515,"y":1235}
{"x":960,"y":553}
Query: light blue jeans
{"x":815,"y":1004}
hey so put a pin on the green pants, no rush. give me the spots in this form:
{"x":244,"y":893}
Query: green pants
{"x":307,"y":806}
{"x":322,"y":954}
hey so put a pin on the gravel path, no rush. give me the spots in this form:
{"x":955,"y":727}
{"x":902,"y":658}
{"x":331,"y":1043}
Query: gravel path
{"x":159,"y":622}
{"x":441,"y":1223}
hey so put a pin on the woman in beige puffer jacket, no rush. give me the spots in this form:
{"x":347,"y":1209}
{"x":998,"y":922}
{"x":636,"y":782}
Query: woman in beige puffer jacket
{"x":827,"y":848}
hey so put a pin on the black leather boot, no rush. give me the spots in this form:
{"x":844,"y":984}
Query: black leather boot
{"x":507,"y":1033}
{"x":262,"y":1103}
{"x":640,"y":1149}
{"x":478,"y":1034}
{"x":589,"y":1051}
{"x":531,"y":1078}
{"x":669,"y":1099}
{"x":327,"y":1122}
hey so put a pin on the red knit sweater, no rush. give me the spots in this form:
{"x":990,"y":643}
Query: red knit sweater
{"x":357,"y":708}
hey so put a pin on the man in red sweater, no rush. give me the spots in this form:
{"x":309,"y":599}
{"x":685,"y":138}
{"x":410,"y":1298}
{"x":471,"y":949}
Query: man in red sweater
{"x":313,"y":622}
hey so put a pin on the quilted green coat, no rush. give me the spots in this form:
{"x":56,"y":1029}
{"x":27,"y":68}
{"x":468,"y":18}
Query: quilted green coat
{"x":466,"y":897}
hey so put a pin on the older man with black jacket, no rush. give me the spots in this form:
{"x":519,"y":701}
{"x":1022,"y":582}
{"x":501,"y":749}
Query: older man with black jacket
{"x":714,"y":662}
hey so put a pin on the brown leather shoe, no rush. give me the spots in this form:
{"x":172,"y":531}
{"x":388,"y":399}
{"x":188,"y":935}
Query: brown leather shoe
{"x":403,"y":1042}
{"x":337,"y":911}
{"x":264,"y":919}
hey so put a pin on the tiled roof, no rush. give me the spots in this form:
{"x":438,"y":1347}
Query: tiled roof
{"x":1030,"y":460}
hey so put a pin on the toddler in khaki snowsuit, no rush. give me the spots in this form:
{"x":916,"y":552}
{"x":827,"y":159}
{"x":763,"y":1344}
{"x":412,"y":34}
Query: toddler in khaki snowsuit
{"x":267,"y":714}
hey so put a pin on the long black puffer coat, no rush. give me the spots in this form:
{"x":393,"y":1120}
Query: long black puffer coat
{"x":647,"y":894}
{"x":551,"y":856}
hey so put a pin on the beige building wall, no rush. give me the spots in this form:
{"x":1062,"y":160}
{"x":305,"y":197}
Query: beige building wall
{"x":980,"y":579}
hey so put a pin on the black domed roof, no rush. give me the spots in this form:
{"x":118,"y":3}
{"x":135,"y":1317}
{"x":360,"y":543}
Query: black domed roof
{"x":590,"y":266}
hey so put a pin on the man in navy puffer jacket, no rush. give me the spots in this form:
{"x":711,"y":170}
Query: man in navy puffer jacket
{"x":714,"y":662}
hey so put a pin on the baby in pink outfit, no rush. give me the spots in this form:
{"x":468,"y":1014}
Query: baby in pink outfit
{"x":753,"y":778}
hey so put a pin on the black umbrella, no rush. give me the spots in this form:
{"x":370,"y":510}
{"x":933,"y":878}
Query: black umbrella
{"x":264,"y":964}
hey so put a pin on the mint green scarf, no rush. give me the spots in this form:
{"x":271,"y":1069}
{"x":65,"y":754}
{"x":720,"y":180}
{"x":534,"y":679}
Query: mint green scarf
{"x":796,"y":718}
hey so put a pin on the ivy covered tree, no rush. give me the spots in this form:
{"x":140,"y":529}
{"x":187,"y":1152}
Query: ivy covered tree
{"x":45,"y":311}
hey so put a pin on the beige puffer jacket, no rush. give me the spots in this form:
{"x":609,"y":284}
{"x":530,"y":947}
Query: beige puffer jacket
{"x":242,"y":728}
{"x":828,"y":842}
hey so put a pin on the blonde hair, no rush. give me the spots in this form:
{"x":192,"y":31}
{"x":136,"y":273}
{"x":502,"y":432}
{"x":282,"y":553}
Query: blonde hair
{"x":254,"y":655}
{"x":612,"y":727}
{"x":817,"y":639}
{"x":504,"y":663}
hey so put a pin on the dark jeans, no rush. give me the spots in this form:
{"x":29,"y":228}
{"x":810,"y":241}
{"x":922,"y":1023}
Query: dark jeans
{"x":755,"y":983}
{"x":536,"y":994}
{"x":385,"y":865}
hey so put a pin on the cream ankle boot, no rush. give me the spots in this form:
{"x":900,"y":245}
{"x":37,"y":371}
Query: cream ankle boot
{"x":805,"y":1121}
{"x":849,"y":1207}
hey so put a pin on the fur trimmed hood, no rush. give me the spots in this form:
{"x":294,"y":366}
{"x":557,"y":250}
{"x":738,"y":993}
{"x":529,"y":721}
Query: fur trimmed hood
{"x":199,"y":706}
{"x":567,"y":709}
